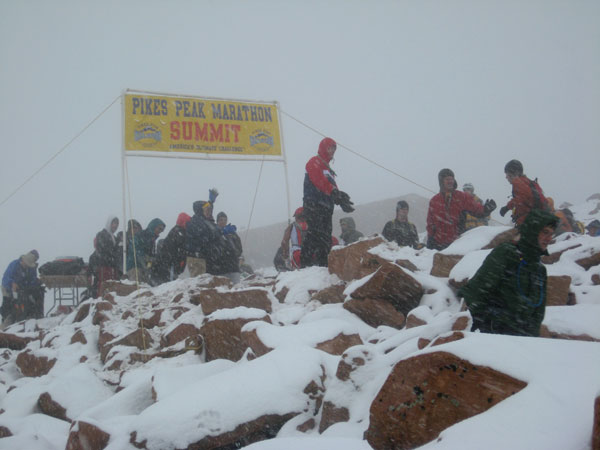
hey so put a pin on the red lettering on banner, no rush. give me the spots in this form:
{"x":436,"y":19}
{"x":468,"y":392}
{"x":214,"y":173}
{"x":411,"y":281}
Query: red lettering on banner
{"x":205,"y":132}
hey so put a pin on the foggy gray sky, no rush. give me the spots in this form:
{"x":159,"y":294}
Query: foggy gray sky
{"x":416,"y":86}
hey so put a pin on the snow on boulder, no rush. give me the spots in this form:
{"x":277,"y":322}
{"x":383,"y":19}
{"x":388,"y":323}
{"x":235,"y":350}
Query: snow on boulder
{"x":246,"y":403}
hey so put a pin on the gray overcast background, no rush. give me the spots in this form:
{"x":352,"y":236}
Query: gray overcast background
{"x":414,"y":85}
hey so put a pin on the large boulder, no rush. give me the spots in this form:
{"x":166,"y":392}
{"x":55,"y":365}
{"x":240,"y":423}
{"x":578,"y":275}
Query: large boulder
{"x":589,"y":261}
{"x":394,"y":284}
{"x":443,"y":264}
{"x":375,"y":312}
{"x":51,"y":407}
{"x":505,"y":236}
{"x":339,"y":344}
{"x":354,"y":261}
{"x":179,"y":333}
{"x":428,"y":393}
{"x":14,"y":342}
{"x":211,"y":300}
{"x":223,"y":338}
{"x":331,"y":294}
{"x":85,"y":436}
{"x":32,"y":365}
{"x":557,"y":290}
{"x":119,"y":288}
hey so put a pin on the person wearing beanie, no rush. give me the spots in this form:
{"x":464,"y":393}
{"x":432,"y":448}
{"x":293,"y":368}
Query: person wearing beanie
{"x":446,"y":208}
{"x":527,"y":194}
{"x":507,"y":295}
{"x":349,"y":232}
{"x":207,"y":249}
{"x":19,"y":277}
{"x":320,"y":195}
{"x":288,"y":254}
{"x":170,"y":258}
{"x":400,"y":230}
{"x":141,"y":254}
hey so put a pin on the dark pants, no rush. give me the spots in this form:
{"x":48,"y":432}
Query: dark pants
{"x":317,"y":240}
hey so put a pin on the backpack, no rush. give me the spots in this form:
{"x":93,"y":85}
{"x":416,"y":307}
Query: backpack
{"x":66,"y":266}
{"x":539,"y":201}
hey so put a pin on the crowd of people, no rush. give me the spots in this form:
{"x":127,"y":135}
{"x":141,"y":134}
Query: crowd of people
{"x":507,"y":294}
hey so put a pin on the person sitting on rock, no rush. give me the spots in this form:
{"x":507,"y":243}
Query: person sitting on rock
{"x":400,"y":230}
{"x":349,"y":232}
{"x":507,"y":295}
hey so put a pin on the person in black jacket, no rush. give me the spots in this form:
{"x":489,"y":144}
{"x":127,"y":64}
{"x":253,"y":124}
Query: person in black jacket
{"x":205,"y":241}
{"x":400,"y":229}
{"x":170,"y":259}
{"x":106,"y":256}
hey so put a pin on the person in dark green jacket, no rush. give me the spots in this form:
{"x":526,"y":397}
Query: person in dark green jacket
{"x":142,"y":250}
{"x":507,"y":295}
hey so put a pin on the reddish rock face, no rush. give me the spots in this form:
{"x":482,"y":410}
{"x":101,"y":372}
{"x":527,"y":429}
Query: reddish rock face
{"x":223,"y":339}
{"x":443,"y":264}
{"x":557,"y":290}
{"x":349,"y":262}
{"x":596,"y":428}
{"x":52,"y":408}
{"x":179,"y":333}
{"x":547,"y":333}
{"x":85,"y":436}
{"x":375,"y":312}
{"x":331,"y":294}
{"x":258,"y":347}
{"x":332,"y":414}
{"x":79,"y":337}
{"x":596,"y":279}
{"x":554,"y":257}
{"x":82,"y":312}
{"x":462,"y":323}
{"x":393,"y":284}
{"x":121,"y":289}
{"x":506,"y":236}
{"x":8,"y":340}
{"x":426,"y":394}
{"x":340,"y":343}
{"x":32,"y":365}
{"x":153,"y":320}
{"x":590,"y":261}
{"x":414,"y":321}
{"x":210,"y":300}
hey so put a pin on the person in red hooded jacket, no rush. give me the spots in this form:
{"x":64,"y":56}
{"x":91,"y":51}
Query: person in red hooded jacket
{"x":320,"y":195}
{"x":445,"y":209}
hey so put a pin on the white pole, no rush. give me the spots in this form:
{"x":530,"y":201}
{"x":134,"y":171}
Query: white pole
{"x":123,"y":162}
{"x":285,"y":171}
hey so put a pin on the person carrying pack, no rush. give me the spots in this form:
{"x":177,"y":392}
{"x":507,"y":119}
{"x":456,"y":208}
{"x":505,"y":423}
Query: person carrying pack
{"x":527,"y":194}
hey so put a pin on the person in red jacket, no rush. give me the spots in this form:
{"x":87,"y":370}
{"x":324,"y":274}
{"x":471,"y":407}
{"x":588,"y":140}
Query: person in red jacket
{"x":527,"y":194}
{"x":445,"y":208}
{"x":320,"y":195}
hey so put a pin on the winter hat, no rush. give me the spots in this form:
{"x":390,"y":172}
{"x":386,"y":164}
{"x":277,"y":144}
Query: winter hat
{"x":199,"y":205}
{"x":221,"y":214}
{"x":183,"y":219}
{"x":35,"y":253}
{"x":443,"y":174}
{"x":299,"y":212}
{"x":593,"y":224}
{"x":29,"y":259}
{"x":468,"y":187}
{"x":514,"y":167}
{"x":401,"y":205}
{"x":323,"y":146}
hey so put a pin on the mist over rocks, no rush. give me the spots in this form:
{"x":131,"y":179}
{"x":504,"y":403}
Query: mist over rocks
{"x":310,"y":354}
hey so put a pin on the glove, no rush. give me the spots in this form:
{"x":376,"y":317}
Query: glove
{"x":488,"y":207}
{"x":347,"y":206}
{"x":212,"y":195}
{"x":229,"y":229}
{"x":503,"y":211}
{"x":336,"y":196}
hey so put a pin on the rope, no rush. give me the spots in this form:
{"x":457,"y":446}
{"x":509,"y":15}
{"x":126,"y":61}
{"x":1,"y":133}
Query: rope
{"x":135,"y":265}
{"x":359,"y":155}
{"x":59,"y":152}
{"x":253,"y":202}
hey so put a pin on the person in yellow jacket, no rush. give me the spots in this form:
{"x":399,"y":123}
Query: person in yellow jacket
{"x":469,"y":221}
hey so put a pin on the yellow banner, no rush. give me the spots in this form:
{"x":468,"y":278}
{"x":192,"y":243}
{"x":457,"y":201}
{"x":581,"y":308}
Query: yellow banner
{"x":158,"y":123}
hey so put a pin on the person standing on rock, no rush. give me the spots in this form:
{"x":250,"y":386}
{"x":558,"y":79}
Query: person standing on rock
{"x":527,"y":194}
{"x":320,"y":195}
{"x":507,"y":295}
{"x":446,"y":208}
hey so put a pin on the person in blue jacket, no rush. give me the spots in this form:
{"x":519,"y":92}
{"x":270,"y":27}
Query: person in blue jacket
{"x":20,"y":274}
